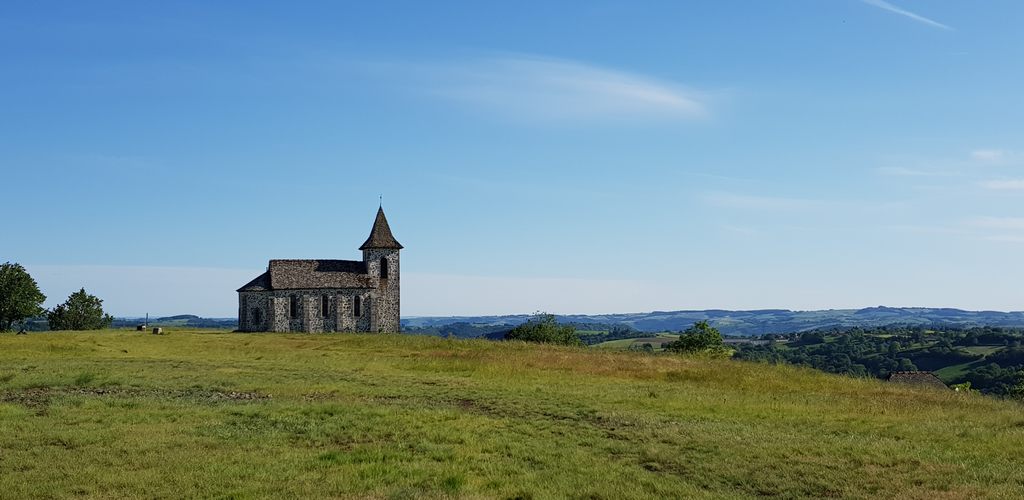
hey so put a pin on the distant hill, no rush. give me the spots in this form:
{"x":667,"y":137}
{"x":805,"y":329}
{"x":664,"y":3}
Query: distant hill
{"x":736,"y":323}
{"x":181,"y":320}
{"x":757,"y":322}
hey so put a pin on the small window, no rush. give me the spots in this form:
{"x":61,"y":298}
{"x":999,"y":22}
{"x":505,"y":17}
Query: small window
{"x":356,"y":306}
{"x":384,"y":268}
{"x":325,"y":306}
{"x":293,"y":307}
{"x":256,"y":317}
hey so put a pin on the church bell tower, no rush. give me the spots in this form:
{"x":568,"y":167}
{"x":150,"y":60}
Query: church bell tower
{"x":380,"y":253}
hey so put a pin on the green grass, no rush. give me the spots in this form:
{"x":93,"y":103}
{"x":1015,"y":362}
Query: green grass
{"x":624,"y":344}
{"x":983,"y":349}
{"x":119,"y":414}
{"x":952,"y":373}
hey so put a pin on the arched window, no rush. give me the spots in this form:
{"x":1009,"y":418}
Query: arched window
{"x":356,"y":306}
{"x":256,"y":318}
{"x":293,"y":306}
{"x":325,"y":306}
{"x":384,"y":267}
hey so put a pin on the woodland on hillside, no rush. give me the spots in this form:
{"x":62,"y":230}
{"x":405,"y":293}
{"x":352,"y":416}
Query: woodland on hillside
{"x":990,"y":359}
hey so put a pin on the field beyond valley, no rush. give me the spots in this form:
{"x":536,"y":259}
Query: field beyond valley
{"x":215,"y":414}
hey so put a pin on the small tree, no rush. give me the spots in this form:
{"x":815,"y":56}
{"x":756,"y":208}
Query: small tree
{"x":20,"y":297}
{"x":698,"y":338}
{"x":544,"y":328}
{"x":906,"y":365}
{"x":80,"y":312}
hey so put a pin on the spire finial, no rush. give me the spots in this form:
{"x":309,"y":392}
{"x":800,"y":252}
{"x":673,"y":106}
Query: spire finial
{"x":380,"y":198}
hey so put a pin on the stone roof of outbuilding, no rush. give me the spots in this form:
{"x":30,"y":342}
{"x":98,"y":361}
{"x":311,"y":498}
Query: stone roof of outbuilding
{"x":919,"y":379}
{"x":259,"y":283}
{"x":380,"y":234}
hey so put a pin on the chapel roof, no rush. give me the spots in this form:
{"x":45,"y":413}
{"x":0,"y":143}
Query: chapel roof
{"x":293,"y":274}
{"x":380,"y":234}
{"x":288,"y":274}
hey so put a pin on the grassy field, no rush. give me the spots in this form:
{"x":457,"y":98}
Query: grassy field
{"x":123,"y":414}
{"x":656,"y":341}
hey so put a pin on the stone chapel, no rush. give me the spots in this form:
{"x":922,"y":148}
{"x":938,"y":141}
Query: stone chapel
{"x":322,"y":295}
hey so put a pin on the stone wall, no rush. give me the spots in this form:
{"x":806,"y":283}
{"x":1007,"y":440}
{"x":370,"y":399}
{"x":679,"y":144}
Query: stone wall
{"x":272,"y":308}
{"x":388,"y":310}
{"x":279,"y":310}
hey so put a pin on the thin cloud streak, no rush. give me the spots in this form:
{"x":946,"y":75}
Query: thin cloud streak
{"x":912,"y":172}
{"x":882,"y":4}
{"x":1004,"y":185}
{"x":1004,"y":223}
{"x":988,"y":155}
{"x":755,"y":202}
{"x":537,"y":88}
{"x":760,"y":203}
{"x":1006,"y":238}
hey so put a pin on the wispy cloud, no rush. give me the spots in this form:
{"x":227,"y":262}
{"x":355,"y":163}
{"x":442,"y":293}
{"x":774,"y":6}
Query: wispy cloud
{"x":1006,"y":238}
{"x":1003,"y":184}
{"x":541,"y":88}
{"x":967,"y":165}
{"x":989,"y":155}
{"x":755,"y":202}
{"x":882,"y":4}
{"x":998,"y":229}
{"x":913,"y":172}
{"x":1004,"y":223}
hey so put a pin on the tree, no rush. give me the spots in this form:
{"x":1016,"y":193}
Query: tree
{"x":544,"y":328}
{"x":20,"y":297}
{"x":907,"y":365}
{"x":697,"y":338}
{"x":80,"y":312}
{"x":812,"y":338}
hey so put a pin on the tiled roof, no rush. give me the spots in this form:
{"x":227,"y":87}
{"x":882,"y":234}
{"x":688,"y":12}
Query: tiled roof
{"x":261,"y":282}
{"x":291,"y":274}
{"x":920,"y":379}
{"x":380,"y":234}
{"x":286,"y":274}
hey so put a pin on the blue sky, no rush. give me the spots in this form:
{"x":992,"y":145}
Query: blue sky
{"x":573,"y":157}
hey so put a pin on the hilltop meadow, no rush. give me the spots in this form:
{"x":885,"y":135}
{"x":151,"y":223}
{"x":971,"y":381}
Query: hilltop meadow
{"x":215,"y":414}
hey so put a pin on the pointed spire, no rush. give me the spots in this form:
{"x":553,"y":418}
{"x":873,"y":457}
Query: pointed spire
{"x":380,"y":235}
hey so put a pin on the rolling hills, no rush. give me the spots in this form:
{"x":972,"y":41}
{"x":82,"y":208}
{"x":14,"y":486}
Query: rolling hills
{"x":735,"y":323}
{"x":759,"y":322}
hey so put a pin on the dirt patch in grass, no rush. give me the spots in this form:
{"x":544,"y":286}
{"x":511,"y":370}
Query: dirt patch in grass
{"x":35,"y":399}
{"x":38,"y":399}
{"x":320,"y":396}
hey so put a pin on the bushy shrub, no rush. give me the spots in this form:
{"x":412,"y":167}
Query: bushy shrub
{"x":545,"y":329}
{"x":701,"y":337}
{"x":80,"y":312}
